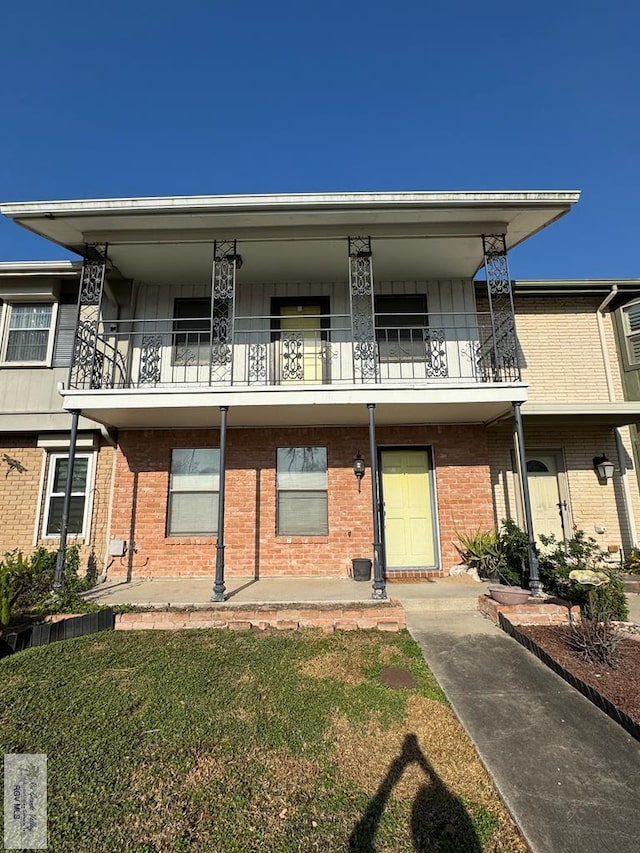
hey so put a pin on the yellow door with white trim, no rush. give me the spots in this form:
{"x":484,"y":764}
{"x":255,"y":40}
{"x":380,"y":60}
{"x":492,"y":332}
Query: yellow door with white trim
{"x":300,"y":344}
{"x":408,"y":508}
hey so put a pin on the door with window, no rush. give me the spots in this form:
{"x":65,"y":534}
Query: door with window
{"x":300,"y":332}
{"x":547,"y":490}
{"x":409,"y":514}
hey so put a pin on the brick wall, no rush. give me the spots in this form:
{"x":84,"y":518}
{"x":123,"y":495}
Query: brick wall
{"x":252,"y":547}
{"x":591,"y":503}
{"x":560,"y":349}
{"x":22,"y":499}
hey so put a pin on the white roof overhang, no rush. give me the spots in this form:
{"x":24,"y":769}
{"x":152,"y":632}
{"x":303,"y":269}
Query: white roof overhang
{"x":415,"y":234}
{"x":604,"y":414}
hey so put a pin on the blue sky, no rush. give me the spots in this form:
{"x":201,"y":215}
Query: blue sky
{"x":140,"y":98}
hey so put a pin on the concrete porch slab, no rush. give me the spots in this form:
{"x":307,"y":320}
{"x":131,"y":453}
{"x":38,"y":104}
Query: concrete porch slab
{"x":442,"y":594}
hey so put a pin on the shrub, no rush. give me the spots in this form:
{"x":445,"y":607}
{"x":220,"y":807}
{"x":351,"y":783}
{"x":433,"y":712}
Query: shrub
{"x":514,"y":546}
{"x":581,"y":553}
{"x":26,"y":584}
{"x":481,"y":551}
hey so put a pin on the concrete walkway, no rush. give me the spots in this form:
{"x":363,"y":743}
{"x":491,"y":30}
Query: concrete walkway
{"x":569,"y":775}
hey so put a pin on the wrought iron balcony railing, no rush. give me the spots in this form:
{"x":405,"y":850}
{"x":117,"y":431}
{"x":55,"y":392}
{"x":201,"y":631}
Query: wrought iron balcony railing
{"x":309,"y":350}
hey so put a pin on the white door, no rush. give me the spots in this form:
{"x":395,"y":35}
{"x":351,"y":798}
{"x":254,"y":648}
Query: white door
{"x":548,"y":508}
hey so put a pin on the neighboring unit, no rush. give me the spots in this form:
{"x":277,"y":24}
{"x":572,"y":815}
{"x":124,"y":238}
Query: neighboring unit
{"x":243,"y":354}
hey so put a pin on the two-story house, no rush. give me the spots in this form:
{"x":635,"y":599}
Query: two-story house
{"x":286,"y":383}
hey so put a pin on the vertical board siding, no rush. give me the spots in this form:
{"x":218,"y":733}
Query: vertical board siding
{"x":450,"y":305}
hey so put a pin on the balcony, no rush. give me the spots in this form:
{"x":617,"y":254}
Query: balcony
{"x":302,"y":351}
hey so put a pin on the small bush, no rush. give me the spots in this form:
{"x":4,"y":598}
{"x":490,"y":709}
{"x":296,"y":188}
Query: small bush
{"x":581,"y":552}
{"x":481,"y":551}
{"x":594,"y":637}
{"x":26,"y":584}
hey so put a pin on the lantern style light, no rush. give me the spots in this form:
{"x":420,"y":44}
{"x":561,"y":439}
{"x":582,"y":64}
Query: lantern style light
{"x":604,"y":467}
{"x":359,"y":469}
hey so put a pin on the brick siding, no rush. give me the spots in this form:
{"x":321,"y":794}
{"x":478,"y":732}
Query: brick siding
{"x":252,"y":548}
{"x":21,"y":494}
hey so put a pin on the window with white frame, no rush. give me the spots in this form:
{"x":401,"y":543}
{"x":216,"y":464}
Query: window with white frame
{"x":27,"y":332}
{"x":631,"y":314}
{"x":54,"y":500}
{"x":194,"y":486}
{"x":302,"y":491}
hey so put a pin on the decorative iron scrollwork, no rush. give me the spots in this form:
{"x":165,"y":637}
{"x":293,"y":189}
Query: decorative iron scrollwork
{"x":365,"y":354}
{"x":257,"y":364}
{"x":92,"y":276}
{"x":292,"y":357}
{"x":223,"y":297}
{"x":436,"y":354}
{"x":87,"y":368}
{"x":150,"y":359}
{"x":505,"y":362}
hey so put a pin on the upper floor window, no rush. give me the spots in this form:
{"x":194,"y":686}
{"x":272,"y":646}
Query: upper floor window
{"x":401,"y":325}
{"x":631,"y":316}
{"x":28,"y":332}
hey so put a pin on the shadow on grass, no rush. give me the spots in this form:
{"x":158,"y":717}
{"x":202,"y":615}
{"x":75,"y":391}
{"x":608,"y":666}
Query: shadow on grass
{"x":439,"y":819}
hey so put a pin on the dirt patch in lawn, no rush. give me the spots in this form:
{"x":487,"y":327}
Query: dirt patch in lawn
{"x":334,"y":665}
{"x":621,"y":685}
{"x":373,"y":755}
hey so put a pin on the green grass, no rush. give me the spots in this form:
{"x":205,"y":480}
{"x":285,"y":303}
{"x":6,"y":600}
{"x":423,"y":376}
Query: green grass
{"x":219,"y":741}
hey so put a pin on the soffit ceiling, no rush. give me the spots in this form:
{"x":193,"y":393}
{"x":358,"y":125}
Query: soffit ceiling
{"x":293,"y":238}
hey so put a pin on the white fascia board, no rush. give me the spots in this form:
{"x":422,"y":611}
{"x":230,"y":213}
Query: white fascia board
{"x":181,"y":397}
{"x":576,"y":409}
{"x":47,"y":268}
{"x":290,"y":201}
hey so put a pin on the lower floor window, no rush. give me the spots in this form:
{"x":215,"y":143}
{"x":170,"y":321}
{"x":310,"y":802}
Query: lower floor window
{"x":302,"y":491}
{"x":194,"y":486}
{"x":56,"y":486}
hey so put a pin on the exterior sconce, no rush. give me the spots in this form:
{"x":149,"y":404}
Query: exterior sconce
{"x":236,"y":258}
{"x":603,"y":467}
{"x":359,"y":469}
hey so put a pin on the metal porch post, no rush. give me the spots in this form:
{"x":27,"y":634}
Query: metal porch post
{"x":362,"y":310}
{"x":218,"y":587}
{"x":226,"y":261}
{"x":87,"y":364}
{"x":506,"y":366}
{"x":379,"y":585}
{"x":535,"y":585}
{"x":66,"y":504}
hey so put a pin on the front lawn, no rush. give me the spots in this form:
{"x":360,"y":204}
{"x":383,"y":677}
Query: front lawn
{"x":219,"y":741}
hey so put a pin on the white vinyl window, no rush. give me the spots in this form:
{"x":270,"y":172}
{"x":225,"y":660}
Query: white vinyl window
{"x":54,"y":499}
{"x":302,"y":491}
{"x":28,"y":328}
{"x":632,"y":332}
{"x":194,"y":486}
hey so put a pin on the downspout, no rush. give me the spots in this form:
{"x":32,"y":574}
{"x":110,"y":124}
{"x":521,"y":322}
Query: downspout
{"x":626,"y":491}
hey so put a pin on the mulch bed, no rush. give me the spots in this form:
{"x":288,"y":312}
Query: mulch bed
{"x":620,"y":686}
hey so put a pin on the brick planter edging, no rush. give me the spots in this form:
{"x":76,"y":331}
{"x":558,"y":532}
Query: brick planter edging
{"x":548,"y":611}
{"x":590,"y":693}
{"x":387,"y":617}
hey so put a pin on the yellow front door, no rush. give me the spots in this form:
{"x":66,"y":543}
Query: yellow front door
{"x":408,"y":509}
{"x":300,"y":344}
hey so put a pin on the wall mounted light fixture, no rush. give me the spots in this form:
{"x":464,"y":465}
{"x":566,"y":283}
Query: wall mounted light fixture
{"x":359,"y":469}
{"x":603,"y":467}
